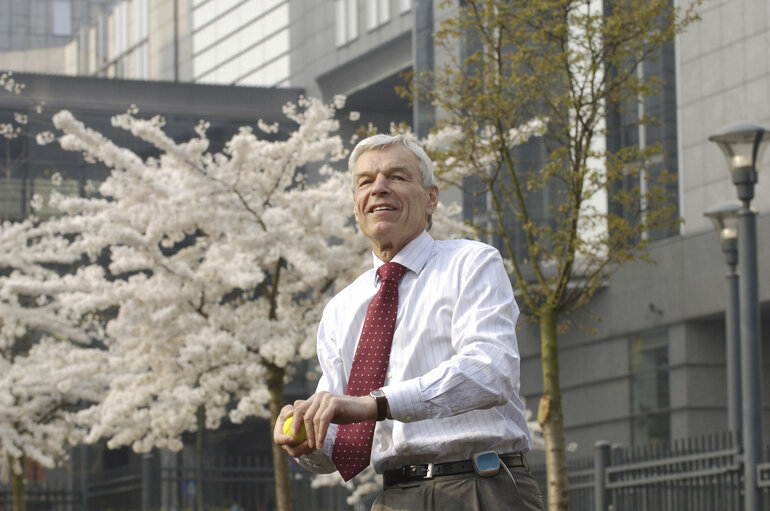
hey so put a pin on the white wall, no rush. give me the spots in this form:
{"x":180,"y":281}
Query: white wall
{"x":723,"y":77}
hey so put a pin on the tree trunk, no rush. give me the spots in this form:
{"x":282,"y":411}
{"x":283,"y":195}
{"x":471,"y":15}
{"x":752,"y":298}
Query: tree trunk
{"x":550,"y":415}
{"x":201,"y":418}
{"x":17,"y":485}
{"x":283,"y":496}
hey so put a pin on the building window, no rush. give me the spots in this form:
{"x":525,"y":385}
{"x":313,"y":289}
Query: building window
{"x":244,"y":46}
{"x":650,"y":403}
{"x":346,"y":21}
{"x":377,"y":13}
{"x":624,"y":130}
{"x":62,"y":17}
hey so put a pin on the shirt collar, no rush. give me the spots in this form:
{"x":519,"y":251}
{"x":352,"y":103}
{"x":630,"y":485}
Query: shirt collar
{"x":413,"y":256}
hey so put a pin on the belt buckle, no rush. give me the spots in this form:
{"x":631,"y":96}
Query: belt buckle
{"x":414,"y":472}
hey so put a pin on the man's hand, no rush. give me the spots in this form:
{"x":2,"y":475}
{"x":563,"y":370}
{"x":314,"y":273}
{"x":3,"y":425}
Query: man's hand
{"x":288,"y":442}
{"x":320,"y":410}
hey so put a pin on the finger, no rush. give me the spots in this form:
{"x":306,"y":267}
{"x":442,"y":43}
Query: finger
{"x":298,"y":450}
{"x":308,"y":420}
{"x":286,"y":412}
{"x":322,"y":419}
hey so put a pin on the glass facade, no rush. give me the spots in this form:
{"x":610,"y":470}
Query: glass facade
{"x":116,"y":45}
{"x":650,"y":401}
{"x":62,"y":17}
{"x":241,"y":42}
{"x":345,"y":21}
{"x":624,"y":130}
{"x":377,"y":13}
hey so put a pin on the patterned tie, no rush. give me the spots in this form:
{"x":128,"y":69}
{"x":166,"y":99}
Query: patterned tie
{"x":353,"y":446}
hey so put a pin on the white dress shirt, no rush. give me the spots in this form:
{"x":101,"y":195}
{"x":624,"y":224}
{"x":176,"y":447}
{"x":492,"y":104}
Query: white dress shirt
{"x":453,"y":379}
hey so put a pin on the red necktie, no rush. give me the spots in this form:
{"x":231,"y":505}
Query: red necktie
{"x":353,"y":445}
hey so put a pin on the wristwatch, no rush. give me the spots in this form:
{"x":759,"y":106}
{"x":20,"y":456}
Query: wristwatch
{"x":382,"y":403}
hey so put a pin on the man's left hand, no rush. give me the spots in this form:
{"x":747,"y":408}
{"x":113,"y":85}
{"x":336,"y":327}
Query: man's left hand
{"x":324,"y":408}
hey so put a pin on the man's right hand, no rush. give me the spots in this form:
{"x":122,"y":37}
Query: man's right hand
{"x":319,"y":411}
{"x":288,"y":442}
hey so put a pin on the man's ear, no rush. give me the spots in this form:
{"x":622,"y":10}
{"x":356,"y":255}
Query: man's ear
{"x":432,"y":200}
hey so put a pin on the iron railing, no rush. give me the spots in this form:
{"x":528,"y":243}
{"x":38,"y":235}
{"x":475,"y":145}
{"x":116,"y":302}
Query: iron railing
{"x":704,"y":474}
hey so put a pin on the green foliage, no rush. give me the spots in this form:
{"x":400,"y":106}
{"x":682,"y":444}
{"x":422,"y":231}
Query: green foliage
{"x":567,"y":208}
{"x":569,"y":64}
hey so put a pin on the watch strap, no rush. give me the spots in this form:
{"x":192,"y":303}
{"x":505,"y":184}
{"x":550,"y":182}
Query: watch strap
{"x":382,"y":404}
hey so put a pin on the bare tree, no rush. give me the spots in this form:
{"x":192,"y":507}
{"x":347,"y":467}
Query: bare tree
{"x":566,"y":210}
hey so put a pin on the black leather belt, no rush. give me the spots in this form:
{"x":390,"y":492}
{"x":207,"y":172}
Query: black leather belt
{"x":420,"y":472}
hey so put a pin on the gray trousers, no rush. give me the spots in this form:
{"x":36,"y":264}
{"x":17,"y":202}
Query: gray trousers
{"x":464,"y":492}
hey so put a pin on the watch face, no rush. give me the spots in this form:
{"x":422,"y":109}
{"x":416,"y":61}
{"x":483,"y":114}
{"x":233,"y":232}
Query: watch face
{"x":377,"y":393}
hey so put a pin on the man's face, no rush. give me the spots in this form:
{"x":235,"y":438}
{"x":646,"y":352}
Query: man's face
{"x":391,"y":205}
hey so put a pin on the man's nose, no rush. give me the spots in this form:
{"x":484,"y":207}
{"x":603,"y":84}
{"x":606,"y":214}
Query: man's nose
{"x":381,"y":185}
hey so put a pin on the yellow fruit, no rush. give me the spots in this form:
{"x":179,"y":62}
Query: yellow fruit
{"x":301,"y":435}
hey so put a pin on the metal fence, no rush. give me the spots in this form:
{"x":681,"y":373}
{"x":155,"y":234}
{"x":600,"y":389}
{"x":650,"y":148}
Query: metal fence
{"x":226,"y":483}
{"x":701,"y":474}
{"x":44,"y":499}
{"x":704,"y":474}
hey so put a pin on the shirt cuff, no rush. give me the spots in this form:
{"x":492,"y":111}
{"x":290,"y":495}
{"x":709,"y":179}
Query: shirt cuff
{"x":405,"y":401}
{"x":320,"y":461}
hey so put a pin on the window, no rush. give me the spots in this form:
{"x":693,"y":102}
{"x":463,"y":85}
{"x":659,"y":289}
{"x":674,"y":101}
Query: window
{"x":62,"y":17}
{"x":346,"y":21}
{"x":377,"y":13}
{"x":404,"y":6}
{"x":244,"y":55}
{"x":650,"y":403}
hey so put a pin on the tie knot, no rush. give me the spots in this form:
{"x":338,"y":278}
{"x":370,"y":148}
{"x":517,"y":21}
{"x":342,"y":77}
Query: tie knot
{"x":392,"y":272}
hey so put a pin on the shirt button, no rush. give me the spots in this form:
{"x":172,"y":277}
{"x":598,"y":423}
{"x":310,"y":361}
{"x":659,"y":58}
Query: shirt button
{"x":408,"y":417}
{"x":454,"y":408}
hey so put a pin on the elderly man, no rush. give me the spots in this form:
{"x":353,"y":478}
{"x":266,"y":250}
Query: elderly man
{"x":419,"y":356}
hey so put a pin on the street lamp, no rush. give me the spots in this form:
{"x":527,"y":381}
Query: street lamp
{"x":743,"y":145}
{"x":725,"y":219}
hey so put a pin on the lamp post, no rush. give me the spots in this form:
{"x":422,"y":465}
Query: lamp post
{"x":743,"y":145}
{"x":725,"y":219}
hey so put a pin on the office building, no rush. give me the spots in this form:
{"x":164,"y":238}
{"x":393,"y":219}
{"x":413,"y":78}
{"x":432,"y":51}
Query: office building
{"x":655,"y":368}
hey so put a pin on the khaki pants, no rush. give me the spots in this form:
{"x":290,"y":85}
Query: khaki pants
{"x":464,"y":492}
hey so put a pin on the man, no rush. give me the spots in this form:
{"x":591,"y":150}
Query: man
{"x":436,"y":347}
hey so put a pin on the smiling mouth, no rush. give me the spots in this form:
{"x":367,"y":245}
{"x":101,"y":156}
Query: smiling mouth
{"x":383,"y":208}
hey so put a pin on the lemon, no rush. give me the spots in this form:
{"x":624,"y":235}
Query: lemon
{"x":301,"y":435}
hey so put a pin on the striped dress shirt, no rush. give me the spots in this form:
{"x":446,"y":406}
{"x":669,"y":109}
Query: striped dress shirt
{"x":453,"y":379}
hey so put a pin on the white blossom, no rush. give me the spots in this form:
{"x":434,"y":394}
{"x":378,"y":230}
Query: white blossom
{"x":210,"y":269}
{"x":219,"y":265}
{"x":40,"y":381}
{"x":44,"y":137}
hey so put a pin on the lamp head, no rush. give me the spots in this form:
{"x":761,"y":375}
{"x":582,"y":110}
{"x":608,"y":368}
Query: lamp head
{"x":743,"y":144}
{"x":725,"y":219}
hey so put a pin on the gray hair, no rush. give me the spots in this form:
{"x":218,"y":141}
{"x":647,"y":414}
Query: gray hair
{"x":381,"y":141}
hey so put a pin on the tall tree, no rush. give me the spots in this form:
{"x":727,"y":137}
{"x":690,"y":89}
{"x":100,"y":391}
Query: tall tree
{"x":560,"y":206}
{"x":50,"y":363}
{"x":215,"y":268}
